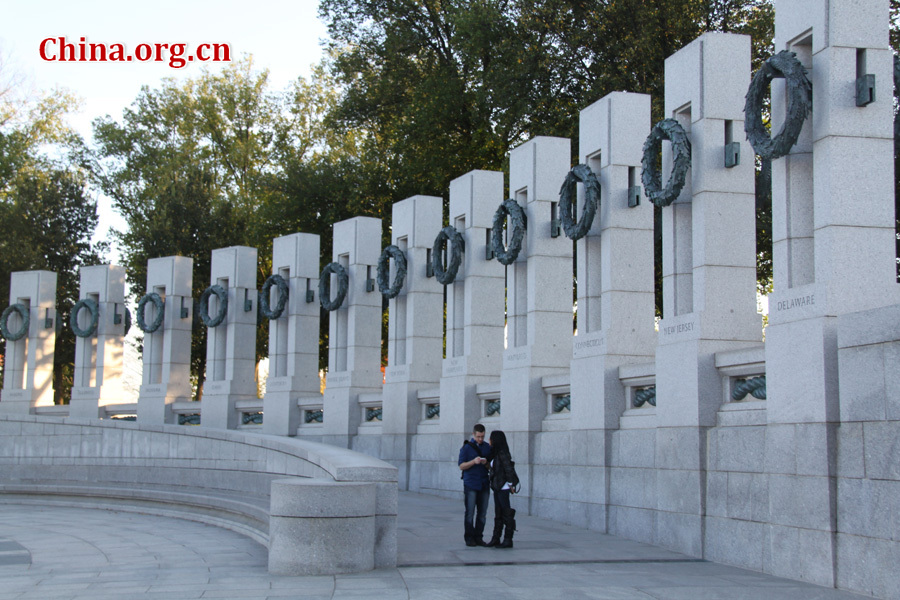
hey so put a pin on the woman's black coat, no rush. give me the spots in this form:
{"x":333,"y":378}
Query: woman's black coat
{"x":503,"y":470}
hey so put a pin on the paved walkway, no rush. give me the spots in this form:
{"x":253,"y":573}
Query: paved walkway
{"x":61,"y":552}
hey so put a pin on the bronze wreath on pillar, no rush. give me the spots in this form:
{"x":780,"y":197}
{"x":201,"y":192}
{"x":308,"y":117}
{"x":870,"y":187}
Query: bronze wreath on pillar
{"x":283,"y":292}
{"x":799,"y":104}
{"x":667,"y":129}
{"x":447,"y":235}
{"x":574,"y":228}
{"x":93,"y":308}
{"x":4,"y":322}
{"x":384,"y":285}
{"x":222,"y":294}
{"x":141,"y":310}
{"x":325,"y":286}
{"x":519,"y":222}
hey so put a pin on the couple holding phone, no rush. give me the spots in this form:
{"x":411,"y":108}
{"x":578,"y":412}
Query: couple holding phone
{"x":488,"y":466}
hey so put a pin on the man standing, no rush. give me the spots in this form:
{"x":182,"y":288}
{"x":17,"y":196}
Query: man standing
{"x":473,"y":458}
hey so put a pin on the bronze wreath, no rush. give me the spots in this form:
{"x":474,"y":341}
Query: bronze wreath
{"x":93,"y":308}
{"x":283,"y":292}
{"x":799,"y":104}
{"x":384,"y":284}
{"x":142,"y":308}
{"x":519,"y":221}
{"x":667,"y":129}
{"x":325,"y":286}
{"x":4,"y":322}
{"x":203,"y":310}
{"x":447,"y":235}
{"x":575,"y":229}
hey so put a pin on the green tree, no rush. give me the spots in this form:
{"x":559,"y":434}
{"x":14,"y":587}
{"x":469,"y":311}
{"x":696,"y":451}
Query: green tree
{"x":49,"y":220}
{"x":181,"y":169}
{"x":440,"y":87}
{"x":46,"y":213}
{"x":212,"y":162}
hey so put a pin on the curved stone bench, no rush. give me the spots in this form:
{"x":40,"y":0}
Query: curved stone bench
{"x":245,"y":514}
{"x":320,"y":509}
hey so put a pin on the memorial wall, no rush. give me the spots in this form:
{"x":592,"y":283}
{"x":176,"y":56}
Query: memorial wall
{"x":771,"y":449}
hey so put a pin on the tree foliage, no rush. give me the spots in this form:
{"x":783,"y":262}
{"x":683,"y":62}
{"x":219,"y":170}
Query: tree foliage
{"x":184,"y":169}
{"x":47,"y":215}
{"x":223,"y":160}
{"x":445,"y":86}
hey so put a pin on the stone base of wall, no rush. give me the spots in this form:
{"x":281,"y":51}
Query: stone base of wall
{"x":320,"y":509}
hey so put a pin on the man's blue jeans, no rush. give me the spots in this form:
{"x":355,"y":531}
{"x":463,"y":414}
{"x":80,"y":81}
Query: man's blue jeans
{"x":476,"y":500}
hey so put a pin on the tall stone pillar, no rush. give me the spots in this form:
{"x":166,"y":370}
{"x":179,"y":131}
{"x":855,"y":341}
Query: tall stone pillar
{"x":231,"y":345}
{"x":415,"y":337}
{"x":28,"y":375}
{"x":98,"y":356}
{"x":354,"y":330}
{"x":538,"y":297}
{"x":474,"y":334}
{"x":709,"y":275}
{"x":167,"y":350}
{"x":474,"y":304}
{"x":293,"y":336}
{"x":615,"y":285}
{"x":833,"y":238}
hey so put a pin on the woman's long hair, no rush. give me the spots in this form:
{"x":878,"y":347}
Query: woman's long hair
{"x":498,"y":442}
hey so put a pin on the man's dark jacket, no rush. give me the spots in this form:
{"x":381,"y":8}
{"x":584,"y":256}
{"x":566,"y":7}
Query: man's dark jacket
{"x":476,"y":476}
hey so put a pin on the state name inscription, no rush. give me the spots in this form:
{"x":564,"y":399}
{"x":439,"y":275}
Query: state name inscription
{"x":337,"y":379}
{"x":798,"y":301}
{"x":588,"y":344}
{"x":680,"y":328}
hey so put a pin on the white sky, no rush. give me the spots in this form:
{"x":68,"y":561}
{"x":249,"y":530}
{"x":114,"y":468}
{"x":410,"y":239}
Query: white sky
{"x":282,"y":36}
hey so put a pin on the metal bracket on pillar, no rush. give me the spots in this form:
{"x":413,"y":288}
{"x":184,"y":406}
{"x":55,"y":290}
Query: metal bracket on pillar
{"x":429,"y":267}
{"x":48,"y":320}
{"x":370,"y":285}
{"x":634,"y":196}
{"x":117,"y":318}
{"x":865,"y":90}
{"x":555,"y":228}
{"x":184,"y":309}
{"x":732,"y":154}
{"x":310,"y":296}
{"x":248,"y":302}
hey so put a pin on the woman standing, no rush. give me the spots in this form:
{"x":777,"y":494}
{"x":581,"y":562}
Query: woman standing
{"x":504,"y":482}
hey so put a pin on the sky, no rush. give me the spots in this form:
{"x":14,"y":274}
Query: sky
{"x":283,"y":37}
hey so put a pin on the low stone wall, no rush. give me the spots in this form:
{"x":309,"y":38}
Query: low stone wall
{"x":281,"y":491}
{"x":868,"y":452}
{"x":774,"y":497}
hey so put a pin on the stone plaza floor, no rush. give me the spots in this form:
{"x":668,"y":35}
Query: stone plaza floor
{"x":65,"y":552}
